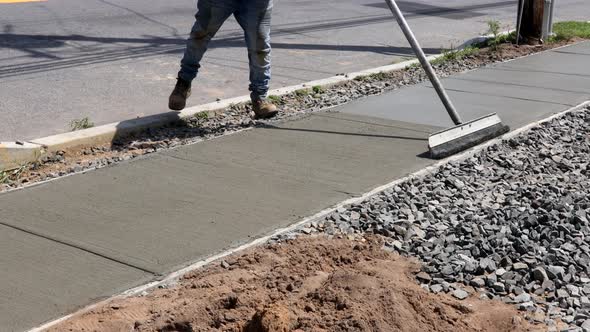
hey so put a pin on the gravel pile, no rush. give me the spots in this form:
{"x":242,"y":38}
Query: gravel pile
{"x":509,"y":223}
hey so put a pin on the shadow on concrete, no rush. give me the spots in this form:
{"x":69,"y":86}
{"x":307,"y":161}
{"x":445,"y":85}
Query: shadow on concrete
{"x":425,"y":155}
{"x":345,"y":133}
{"x":326,"y":115}
{"x":158,"y":128}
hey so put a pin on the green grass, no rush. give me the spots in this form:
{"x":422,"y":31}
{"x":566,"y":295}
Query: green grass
{"x":494,"y":27}
{"x":494,"y":30}
{"x":380,"y":76}
{"x":301,"y":92}
{"x":79,"y":124}
{"x":14,"y":175}
{"x":565,"y":31}
{"x":202,"y":116}
{"x":451,"y":55}
{"x":506,"y":38}
{"x":275,"y":99}
{"x":317,"y":89}
{"x":413,"y":65}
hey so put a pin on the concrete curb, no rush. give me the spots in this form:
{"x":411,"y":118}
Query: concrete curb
{"x":15,"y":154}
{"x":175,"y":276}
{"x":107,"y":133}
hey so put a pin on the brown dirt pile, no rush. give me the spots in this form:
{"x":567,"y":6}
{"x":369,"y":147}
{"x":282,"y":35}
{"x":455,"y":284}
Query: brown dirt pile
{"x":305,"y":285}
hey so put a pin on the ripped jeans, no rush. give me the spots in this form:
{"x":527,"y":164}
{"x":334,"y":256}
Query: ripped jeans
{"x":254,"y":18}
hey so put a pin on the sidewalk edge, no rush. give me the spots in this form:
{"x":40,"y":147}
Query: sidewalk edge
{"x":174,"y":276}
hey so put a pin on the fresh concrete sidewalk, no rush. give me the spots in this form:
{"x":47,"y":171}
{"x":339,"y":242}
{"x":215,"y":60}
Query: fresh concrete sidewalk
{"x":520,"y":91}
{"x":67,"y":242}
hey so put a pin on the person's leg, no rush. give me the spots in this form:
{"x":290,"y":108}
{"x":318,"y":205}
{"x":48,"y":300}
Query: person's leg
{"x":254,"y":17}
{"x":209,"y":18}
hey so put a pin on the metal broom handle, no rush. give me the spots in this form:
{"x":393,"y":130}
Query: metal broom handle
{"x":440,"y":90}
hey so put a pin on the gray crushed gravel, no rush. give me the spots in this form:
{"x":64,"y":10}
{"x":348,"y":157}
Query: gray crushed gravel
{"x":509,"y":223}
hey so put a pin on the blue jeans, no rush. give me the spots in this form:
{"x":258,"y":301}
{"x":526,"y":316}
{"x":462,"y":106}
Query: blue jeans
{"x":254,"y":18}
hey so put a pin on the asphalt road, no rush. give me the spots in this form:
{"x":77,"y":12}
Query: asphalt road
{"x":111,"y":60}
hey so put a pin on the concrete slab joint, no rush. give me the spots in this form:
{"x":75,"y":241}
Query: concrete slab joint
{"x":16,"y":154}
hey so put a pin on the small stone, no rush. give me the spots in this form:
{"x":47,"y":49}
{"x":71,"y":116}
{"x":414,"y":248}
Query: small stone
{"x":460,"y":294}
{"x":486,"y":296}
{"x":491,"y":279}
{"x":519,"y":266}
{"x":562,"y":294}
{"x":398,"y":245}
{"x":524,"y":297}
{"x":437,"y":288}
{"x":555,"y":272}
{"x":500,"y":272}
{"x":418,"y":232}
{"x":447,"y":270}
{"x":423,"y":277}
{"x":548,"y":285}
{"x":526,"y":306}
{"x":225,"y":265}
{"x":539,"y":274}
{"x":573,"y":290}
{"x":499,"y":287}
{"x":505,"y":262}
{"x":477,"y":282}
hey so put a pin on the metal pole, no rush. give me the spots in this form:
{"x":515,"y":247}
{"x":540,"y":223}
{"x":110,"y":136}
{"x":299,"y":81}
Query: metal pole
{"x":551,"y":17}
{"x":442,"y":94}
{"x":519,"y":24}
{"x":546,"y":20}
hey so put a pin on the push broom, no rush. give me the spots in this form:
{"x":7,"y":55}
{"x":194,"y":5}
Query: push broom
{"x":463,"y":135}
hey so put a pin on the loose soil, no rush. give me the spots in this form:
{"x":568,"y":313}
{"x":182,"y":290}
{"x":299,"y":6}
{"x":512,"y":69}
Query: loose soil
{"x":238,"y":117}
{"x":308,"y":284}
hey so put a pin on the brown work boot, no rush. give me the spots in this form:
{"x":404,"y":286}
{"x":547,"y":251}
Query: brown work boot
{"x":263,"y":109}
{"x":179,"y":95}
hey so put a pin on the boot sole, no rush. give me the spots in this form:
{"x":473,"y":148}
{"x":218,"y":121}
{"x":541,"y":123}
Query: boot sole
{"x":266,"y":115}
{"x":176,"y":107}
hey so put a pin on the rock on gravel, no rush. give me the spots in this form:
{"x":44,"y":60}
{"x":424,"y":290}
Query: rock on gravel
{"x":460,"y":294}
{"x":512,"y":221}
